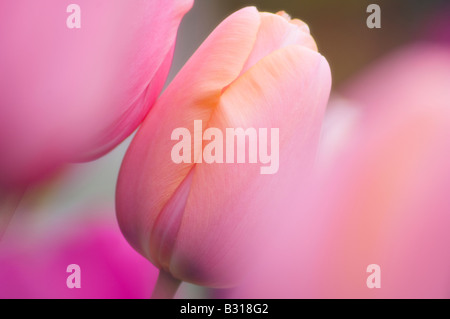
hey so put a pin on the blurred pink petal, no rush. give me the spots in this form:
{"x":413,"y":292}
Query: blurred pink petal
{"x":74,"y":94}
{"x":35,"y":267}
{"x":416,"y":76}
{"x":256,"y":70}
{"x":383,"y":201}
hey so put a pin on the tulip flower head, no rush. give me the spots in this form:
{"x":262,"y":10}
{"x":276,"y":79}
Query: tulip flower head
{"x":257,"y":71}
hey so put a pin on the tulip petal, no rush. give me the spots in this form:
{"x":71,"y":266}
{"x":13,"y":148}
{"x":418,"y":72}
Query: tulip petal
{"x":288,"y":90}
{"x":277,"y":32}
{"x":192,"y":95}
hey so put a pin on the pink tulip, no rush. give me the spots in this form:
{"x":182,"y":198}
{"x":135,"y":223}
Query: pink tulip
{"x":256,"y":70}
{"x":384,"y":201}
{"x":36,"y":266}
{"x":72,"y":94}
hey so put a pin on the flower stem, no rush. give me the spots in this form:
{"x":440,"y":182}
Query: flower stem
{"x":166,"y":286}
{"x":8,"y":204}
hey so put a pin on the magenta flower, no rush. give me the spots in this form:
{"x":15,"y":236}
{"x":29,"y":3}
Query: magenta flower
{"x":36,"y":266}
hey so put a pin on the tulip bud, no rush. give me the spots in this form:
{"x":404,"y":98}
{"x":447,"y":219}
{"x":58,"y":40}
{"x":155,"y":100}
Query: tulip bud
{"x":73,"y":87}
{"x":192,"y":216}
